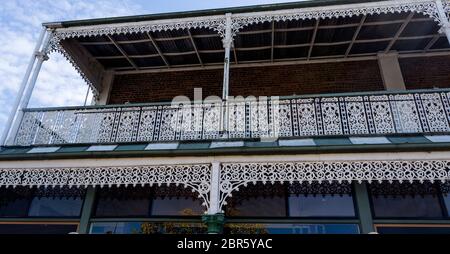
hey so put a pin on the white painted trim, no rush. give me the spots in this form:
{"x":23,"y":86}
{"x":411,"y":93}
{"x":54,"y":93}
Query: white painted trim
{"x":44,"y":149}
{"x":438,"y":138}
{"x":385,"y":156}
{"x":162,"y":146}
{"x":101,"y":148}
{"x":369,"y":140}
{"x":297,"y":142}
{"x":221,"y":144}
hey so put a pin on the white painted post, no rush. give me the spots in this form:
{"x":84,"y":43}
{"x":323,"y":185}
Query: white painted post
{"x":214,"y":194}
{"x":41,"y":56}
{"x":444,"y":19}
{"x":227,"y":45}
{"x":15,"y":107}
{"x":226,"y":69}
{"x":391,"y":72}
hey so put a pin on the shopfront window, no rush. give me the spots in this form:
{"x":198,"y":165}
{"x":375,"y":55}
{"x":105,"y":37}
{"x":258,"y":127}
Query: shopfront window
{"x":55,"y":207}
{"x":123,"y":202}
{"x":446,"y":198}
{"x":177,"y":207}
{"x":278,"y":228}
{"x":321,"y":206}
{"x":292,"y":200}
{"x":148,"y":228}
{"x":406,"y":200}
{"x":143,"y":202}
{"x":413,"y":229}
{"x":41,"y":202}
{"x":38,"y":228}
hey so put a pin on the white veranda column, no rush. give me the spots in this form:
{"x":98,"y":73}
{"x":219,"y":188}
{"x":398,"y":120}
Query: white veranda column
{"x":227,"y":40}
{"x":15,"y":106}
{"x":25,"y":95}
{"x":391,"y":72}
{"x":214,"y":195}
{"x":444,"y":18}
{"x":227,"y":45}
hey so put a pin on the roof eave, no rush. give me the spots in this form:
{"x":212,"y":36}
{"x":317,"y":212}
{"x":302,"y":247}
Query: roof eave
{"x":199,"y":13}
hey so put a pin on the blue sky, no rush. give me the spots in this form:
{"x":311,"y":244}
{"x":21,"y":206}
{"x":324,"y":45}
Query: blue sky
{"x":58,"y":83}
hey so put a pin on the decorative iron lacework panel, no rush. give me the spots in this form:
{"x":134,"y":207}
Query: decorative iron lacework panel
{"x":139,"y":192}
{"x":233,"y":176}
{"x":299,"y":189}
{"x":408,"y":189}
{"x":21,"y":192}
{"x":347,"y":115}
{"x":196,"y":177}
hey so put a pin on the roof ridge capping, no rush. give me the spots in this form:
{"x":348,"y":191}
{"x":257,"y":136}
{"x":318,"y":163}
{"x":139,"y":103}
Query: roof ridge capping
{"x":205,"y":12}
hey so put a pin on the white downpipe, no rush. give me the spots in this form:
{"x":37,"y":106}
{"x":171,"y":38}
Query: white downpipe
{"x":15,"y":107}
{"x":41,"y":56}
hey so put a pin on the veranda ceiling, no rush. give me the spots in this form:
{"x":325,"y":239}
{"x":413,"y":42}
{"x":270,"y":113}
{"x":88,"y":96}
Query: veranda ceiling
{"x":330,"y":38}
{"x":303,"y":31}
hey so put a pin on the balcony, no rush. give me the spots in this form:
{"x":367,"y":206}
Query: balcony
{"x":358,"y":114}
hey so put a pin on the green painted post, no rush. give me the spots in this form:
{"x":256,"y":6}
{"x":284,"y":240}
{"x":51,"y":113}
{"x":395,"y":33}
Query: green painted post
{"x":363,"y":207}
{"x":86,"y":212}
{"x":214,"y":222}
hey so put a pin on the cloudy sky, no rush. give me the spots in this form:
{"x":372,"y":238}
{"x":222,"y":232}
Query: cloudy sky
{"x":58,"y":83}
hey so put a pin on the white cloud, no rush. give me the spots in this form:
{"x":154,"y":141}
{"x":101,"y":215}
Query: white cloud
{"x":58,"y":83}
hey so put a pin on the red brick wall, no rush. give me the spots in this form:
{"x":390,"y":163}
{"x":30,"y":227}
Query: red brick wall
{"x":426,"y":72}
{"x":156,"y":87}
{"x":306,"y":79}
{"x":257,"y":81}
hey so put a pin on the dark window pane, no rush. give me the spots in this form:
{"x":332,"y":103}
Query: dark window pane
{"x":258,"y":207}
{"x":14,"y":208}
{"x":260,"y":200}
{"x":406,"y":200}
{"x":177,"y":207}
{"x":321,"y":206}
{"x":123,"y":202}
{"x":148,"y":228}
{"x":407,"y":206}
{"x":37,"y":229}
{"x":55,"y":207}
{"x":122,"y":207}
{"x":413,"y":230}
{"x":244,"y":228}
{"x":447,"y":203}
{"x":41,"y":202}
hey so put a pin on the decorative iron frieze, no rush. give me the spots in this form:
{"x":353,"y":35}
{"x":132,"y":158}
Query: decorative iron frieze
{"x":408,"y":189}
{"x":428,"y":8}
{"x":234,"y":176}
{"x":196,"y":177}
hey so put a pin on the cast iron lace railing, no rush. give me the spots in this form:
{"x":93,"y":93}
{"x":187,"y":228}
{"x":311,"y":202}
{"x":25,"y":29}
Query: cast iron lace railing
{"x":354,"y":114}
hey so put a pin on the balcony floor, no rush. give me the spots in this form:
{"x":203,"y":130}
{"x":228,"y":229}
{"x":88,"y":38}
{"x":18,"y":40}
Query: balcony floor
{"x":390,"y":143}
